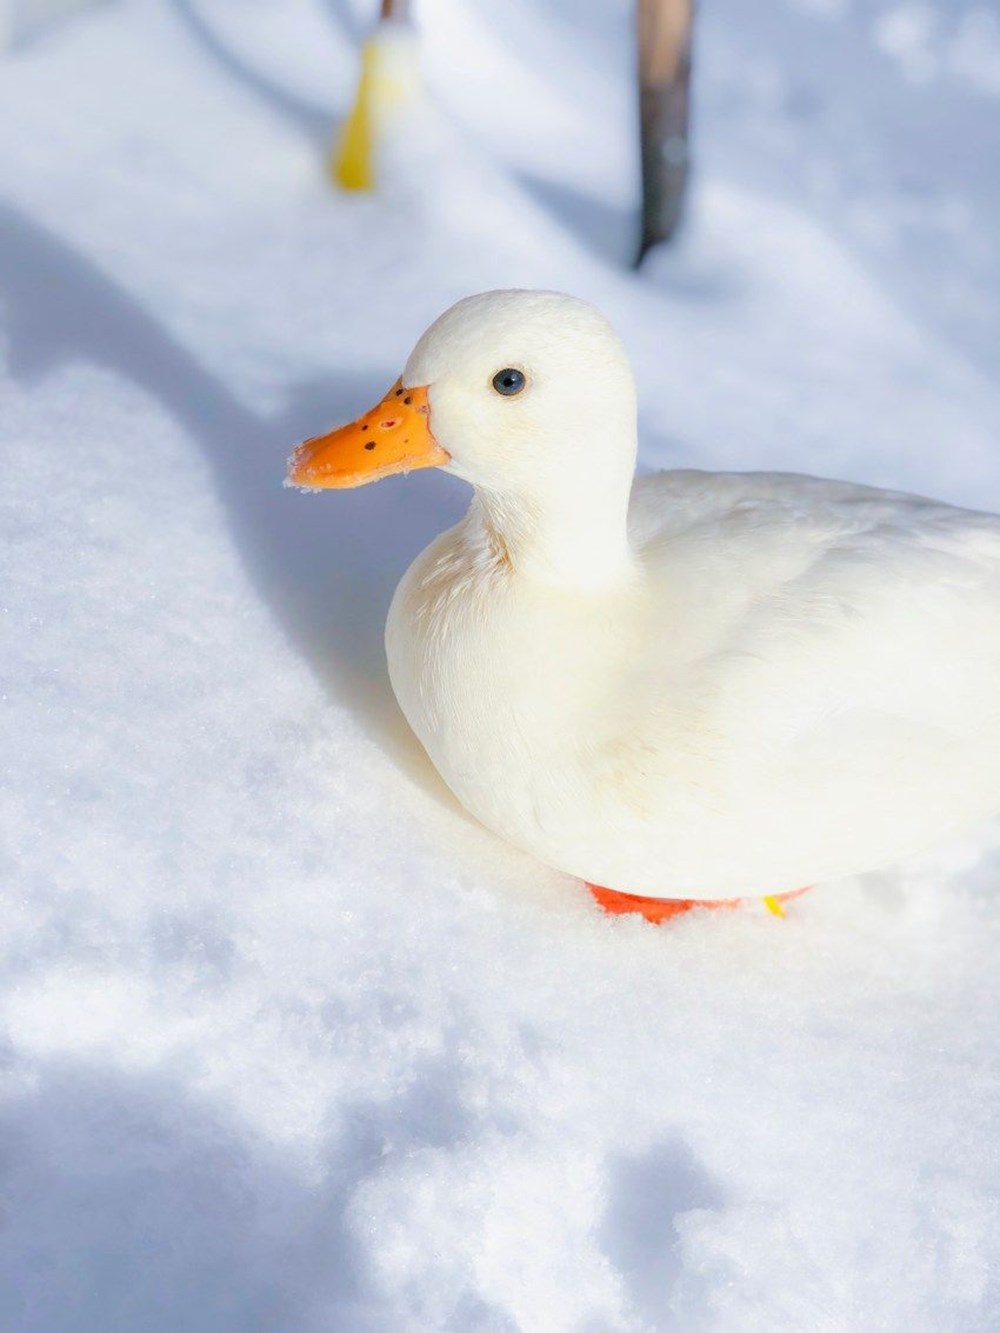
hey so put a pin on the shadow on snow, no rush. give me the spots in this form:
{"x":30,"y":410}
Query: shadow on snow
{"x":327,"y":570}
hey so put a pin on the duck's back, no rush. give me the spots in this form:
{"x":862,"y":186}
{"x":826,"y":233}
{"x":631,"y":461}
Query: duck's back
{"x":824,"y":672}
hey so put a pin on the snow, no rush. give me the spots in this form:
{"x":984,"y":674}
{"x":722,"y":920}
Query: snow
{"x":288,"y":1042}
{"x":25,"y":20}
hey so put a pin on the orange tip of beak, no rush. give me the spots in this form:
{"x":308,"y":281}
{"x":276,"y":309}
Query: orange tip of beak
{"x":395,"y":436}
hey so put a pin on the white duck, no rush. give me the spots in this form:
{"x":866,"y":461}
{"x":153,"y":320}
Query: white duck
{"x":691,"y":684}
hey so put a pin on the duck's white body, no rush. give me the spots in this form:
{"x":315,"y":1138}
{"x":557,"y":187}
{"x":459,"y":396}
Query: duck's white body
{"x":701,"y":685}
{"x":799,"y":680}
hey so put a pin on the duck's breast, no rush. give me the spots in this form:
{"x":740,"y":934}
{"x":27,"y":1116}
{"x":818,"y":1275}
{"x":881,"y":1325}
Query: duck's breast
{"x":510,"y":687}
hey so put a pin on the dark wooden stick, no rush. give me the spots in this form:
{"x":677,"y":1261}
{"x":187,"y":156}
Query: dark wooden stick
{"x":396,"y":9}
{"x":664,"y":31}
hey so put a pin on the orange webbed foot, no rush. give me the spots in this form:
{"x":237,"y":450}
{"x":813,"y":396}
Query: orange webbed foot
{"x":657,"y":910}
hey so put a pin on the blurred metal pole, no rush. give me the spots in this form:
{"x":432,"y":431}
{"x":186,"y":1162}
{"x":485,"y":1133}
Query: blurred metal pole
{"x":664,"y":31}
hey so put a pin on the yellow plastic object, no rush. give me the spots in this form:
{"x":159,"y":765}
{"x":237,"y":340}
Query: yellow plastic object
{"x":353,"y":168}
{"x":389,"y":74}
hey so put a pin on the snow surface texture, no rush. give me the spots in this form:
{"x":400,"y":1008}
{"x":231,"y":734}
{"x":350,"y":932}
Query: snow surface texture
{"x":288,"y":1042}
{"x":24,"y":20}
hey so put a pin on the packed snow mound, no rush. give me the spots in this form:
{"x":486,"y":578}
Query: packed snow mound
{"x":290,"y":1043}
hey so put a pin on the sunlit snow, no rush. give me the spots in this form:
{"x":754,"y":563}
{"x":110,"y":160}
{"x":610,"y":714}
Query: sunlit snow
{"x":288,"y":1042}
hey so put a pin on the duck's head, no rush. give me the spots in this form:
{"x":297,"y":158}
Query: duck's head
{"x":518,"y":392}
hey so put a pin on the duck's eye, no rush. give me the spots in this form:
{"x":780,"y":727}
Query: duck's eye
{"x":509,"y":381}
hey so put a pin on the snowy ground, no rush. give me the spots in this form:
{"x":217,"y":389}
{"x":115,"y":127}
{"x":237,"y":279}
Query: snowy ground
{"x":288,"y":1043}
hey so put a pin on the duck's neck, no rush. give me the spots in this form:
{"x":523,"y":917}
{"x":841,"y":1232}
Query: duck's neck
{"x":575,"y":538}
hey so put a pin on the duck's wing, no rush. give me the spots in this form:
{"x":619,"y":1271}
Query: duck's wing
{"x":740,"y":561}
{"x":813,"y":631}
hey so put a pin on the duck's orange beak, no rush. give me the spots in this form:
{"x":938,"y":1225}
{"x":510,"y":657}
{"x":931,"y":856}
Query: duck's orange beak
{"x":395,"y":436}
